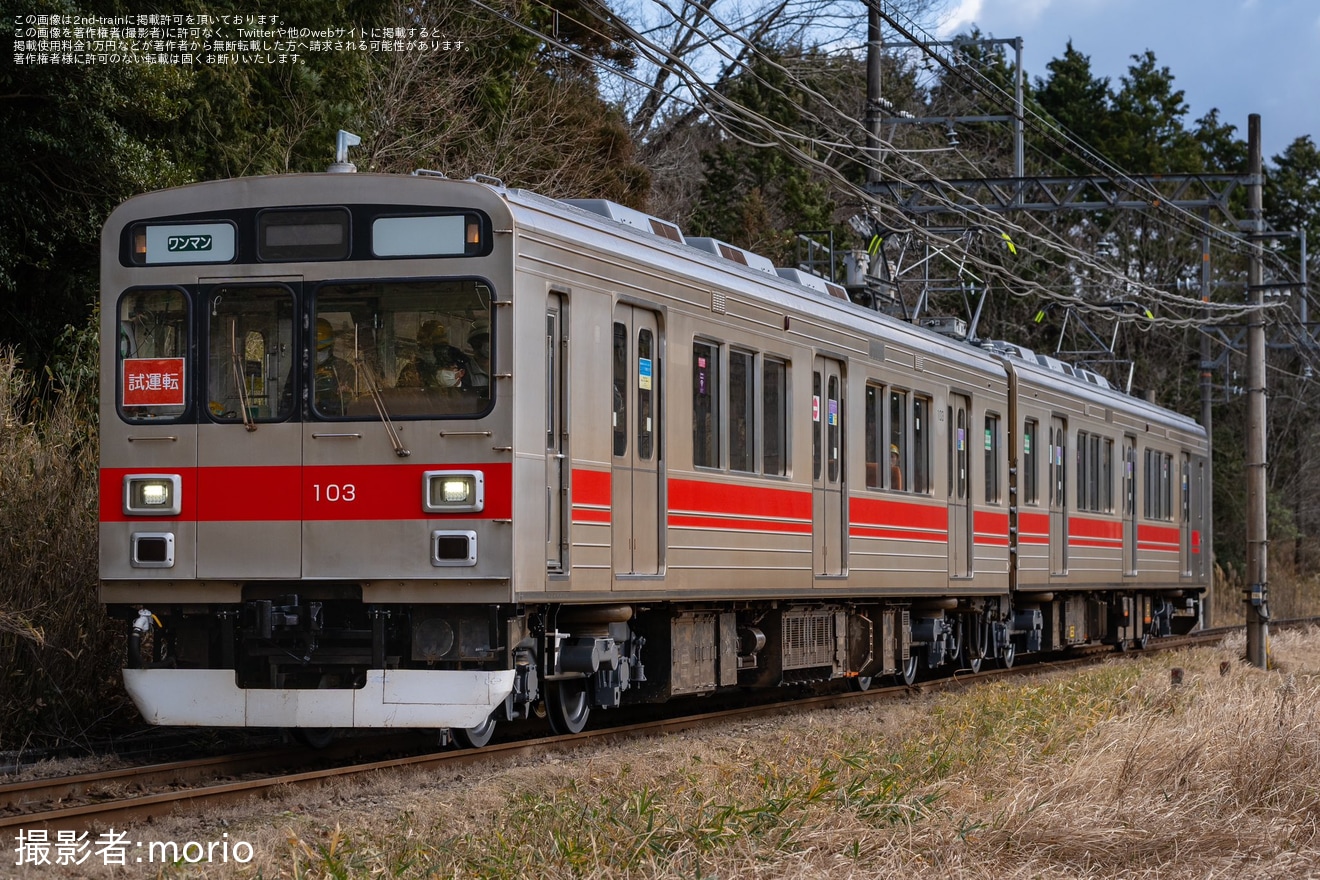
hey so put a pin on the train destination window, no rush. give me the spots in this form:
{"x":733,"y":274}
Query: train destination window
{"x":153,"y":354}
{"x":416,"y":349}
{"x":285,"y":235}
{"x":250,"y":353}
{"x":774,"y":417}
{"x":742,"y":413}
{"x":705,"y":405}
{"x":156,"y":243}
{"x":446,"y":235}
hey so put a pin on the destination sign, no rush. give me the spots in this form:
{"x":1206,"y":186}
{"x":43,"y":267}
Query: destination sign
{"x":189,"y":243}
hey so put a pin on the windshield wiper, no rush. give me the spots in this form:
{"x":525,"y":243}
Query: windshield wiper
{"x":373,"y":389}
{"x":237,"y":361}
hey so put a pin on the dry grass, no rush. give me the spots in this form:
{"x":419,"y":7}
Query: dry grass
{"x":58,"y":654}
{"x":1110,"y":772}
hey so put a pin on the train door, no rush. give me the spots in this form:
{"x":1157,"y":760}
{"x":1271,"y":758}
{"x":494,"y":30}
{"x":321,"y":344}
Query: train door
{"x":1058,"y":496}
{"x":829,"y":550}
{"x":960,"y":507}
{"x":556,"y":430}
{"x":1129,"y":505}
{"x":249,"y":450}
{"x":636,"y":441}
{"x":1185,"y":516}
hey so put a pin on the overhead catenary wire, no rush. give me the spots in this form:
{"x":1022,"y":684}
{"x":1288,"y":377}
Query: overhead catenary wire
{"x":737,"y":121}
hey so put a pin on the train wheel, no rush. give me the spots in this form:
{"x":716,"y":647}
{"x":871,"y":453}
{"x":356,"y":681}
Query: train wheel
{"x":474,"y":737}
{"x":566,"y":705}
{"x":1008,"y":655}
{"x":861,"y":682}
{"x":907,"y":673}
{"x":974,"y":645}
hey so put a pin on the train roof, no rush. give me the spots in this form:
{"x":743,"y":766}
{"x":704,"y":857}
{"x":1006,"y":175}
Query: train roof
{"x":705,"y":263}
{"x":792,"y":287}
{"x":703,"y":260}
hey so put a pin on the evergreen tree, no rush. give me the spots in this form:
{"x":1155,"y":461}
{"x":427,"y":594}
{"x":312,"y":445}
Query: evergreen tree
{"x":1079,"y":102}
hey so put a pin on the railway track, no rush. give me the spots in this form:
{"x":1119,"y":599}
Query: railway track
{"x":123,"y":797}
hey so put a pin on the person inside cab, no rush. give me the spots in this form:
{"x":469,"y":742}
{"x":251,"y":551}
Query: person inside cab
{"x":334,"y":377}
{"x":437,"y":364}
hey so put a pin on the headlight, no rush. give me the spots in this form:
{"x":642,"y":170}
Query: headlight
{"x":152,"y":495}
{"x":453,"y":491}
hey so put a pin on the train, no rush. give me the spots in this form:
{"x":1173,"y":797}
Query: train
{"x":403,"y":450}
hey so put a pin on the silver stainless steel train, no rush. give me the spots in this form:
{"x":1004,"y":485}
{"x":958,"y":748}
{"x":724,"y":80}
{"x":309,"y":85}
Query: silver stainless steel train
{"x":407,"y":451}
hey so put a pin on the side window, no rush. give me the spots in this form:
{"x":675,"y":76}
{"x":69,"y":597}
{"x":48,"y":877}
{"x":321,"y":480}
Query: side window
{"x":1093,"y":478}
{"x":1166,"y":476}
{"x":1083,"y":472}
{"x":922,"y":443}
{"x":816,"y":390}
{"x":991,"y":458}
{"x":897,"y":452}
{"x":1130,"y":477}
{"x":620,"y":422}
{"x":742,"y":413}
{"x":705,"y":405}
{"x":833,"y":427}
{"x":1107,"y":476}
{"x":874,"y":455}
{"x":774,"y":430}
{"x":153,"y":372}
{"x":1030,"y":486}
{"x":1147,"y":485}
{"x":645,"y":392}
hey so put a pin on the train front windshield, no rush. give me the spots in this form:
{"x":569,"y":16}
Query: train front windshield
{"x":412,"y":349}
{"x":423,"y":346}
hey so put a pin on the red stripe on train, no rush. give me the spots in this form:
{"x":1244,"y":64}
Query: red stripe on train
{"x":886,"y":513}
{"x":313,"y":493}
{"x":726,"y":499}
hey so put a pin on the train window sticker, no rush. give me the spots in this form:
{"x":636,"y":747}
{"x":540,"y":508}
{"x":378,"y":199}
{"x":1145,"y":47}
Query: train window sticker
{"x":448,"y":235}
{"x":152,"y":343}
{"x":833,"y":412}
{"x":159,"y":243}
{"x":644,"y":374}
{"x":815,"y":408}
{"x":153,"y":382}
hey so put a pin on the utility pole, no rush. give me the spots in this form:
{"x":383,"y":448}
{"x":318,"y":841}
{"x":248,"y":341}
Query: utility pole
{"x":1257,"y":578}
{"x":1207,"y":415}
{"x":874,"y":50}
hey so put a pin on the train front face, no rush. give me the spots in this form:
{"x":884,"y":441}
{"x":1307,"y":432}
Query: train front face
{"x":306,"y":452}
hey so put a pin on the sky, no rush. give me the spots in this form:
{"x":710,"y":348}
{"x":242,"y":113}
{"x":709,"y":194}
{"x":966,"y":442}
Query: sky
{"x":1241,"y":56}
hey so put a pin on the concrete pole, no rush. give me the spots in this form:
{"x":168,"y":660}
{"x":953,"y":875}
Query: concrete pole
{"x":874,"y":51}
{"x":1207,"y":415}
{"x":1257,"y":578}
